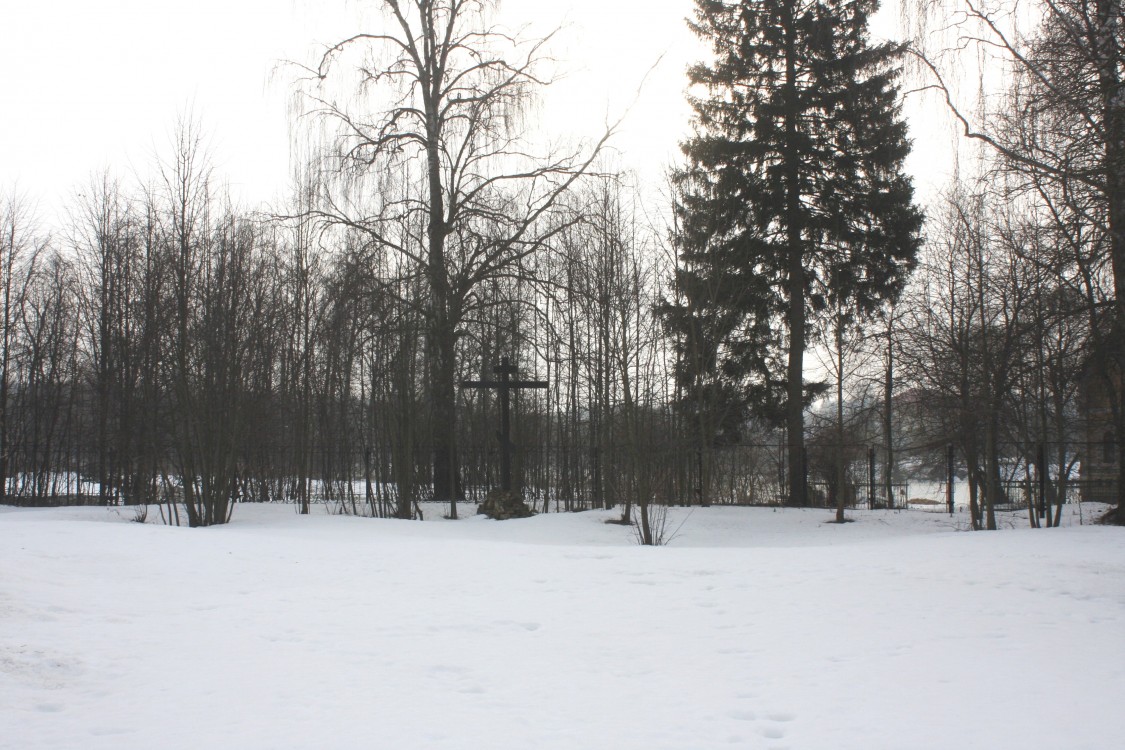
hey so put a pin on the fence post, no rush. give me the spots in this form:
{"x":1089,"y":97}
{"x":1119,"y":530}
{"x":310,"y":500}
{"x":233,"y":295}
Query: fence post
{"x":805,"y":475}
{"x":949,"y":477}
{"x":782,"y":470}
{"x":871,"y":477}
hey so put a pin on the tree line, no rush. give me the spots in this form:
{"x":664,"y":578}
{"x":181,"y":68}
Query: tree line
{"x":169,"y":347}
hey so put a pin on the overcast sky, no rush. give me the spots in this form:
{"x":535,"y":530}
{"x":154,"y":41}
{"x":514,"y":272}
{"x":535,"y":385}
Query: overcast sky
{"x":88,"y":84}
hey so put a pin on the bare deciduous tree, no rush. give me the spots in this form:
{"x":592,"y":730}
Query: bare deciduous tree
{"x":448,"y":91}
{"x":20,"y":247}
{"x":1060,"y":128}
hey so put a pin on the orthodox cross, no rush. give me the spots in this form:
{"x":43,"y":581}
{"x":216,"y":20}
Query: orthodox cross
{"x":505,"y":385}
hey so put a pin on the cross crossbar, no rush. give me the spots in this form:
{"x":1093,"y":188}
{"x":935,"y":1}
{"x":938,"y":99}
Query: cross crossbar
{"x":505,"y":385}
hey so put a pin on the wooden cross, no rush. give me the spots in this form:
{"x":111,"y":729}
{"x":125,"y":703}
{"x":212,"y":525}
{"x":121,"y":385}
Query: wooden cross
{"x":505,"y":385}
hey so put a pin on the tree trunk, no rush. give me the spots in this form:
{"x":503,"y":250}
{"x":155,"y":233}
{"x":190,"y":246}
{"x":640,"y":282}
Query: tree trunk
{"x":888,"y":421}
{"x":795,"y":403}
{"x":1108,"y":58}
{"x":841,"y":474}
{"x":442,"y":343}
{"x":992,"y":486}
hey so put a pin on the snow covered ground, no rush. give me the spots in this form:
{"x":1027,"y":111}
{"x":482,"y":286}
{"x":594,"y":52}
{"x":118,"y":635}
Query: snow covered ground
{"x":755,"y":628}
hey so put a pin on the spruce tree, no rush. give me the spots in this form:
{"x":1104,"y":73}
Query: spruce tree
{"x":793,"y":190}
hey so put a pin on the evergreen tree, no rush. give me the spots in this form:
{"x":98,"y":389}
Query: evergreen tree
{"x":793,"y":190}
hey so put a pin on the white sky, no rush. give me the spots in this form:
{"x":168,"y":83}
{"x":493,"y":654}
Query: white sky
{"x":88,"y":85}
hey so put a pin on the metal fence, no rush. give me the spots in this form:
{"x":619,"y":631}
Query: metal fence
{"x":376,"y":480}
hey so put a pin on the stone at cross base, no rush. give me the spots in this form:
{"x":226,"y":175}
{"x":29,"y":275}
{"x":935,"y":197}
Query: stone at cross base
{"x":501,"y":505}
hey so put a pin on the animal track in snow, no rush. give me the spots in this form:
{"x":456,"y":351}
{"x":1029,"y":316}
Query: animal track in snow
{"x":773,"y":732}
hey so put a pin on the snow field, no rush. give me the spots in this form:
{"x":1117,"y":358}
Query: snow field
{"x":755,"y":629}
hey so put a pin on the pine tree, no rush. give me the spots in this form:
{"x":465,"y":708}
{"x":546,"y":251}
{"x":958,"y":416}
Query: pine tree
{"x":794,"y":189}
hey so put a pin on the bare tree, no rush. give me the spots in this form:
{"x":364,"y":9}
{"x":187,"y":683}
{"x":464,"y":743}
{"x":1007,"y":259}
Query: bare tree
{"x":48,"y":375}
{"x":1059,"y":127}
{"x":966,"y":334}
{"x":456,"y":87}
{"x":212,"y":257}
{"x":844,"y":341}
{"x":20,"y":247}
